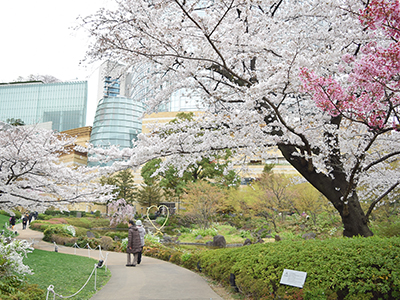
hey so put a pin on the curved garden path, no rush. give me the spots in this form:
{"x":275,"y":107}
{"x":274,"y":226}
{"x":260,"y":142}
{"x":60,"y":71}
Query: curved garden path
{"x":153,"y":279}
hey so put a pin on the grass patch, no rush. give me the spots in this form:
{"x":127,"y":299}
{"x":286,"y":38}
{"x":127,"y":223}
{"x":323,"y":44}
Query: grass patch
{"x":3,"y":221}
{"x":231,"y":234}
{"x":4,"y":225}
{"x":67,"y":273}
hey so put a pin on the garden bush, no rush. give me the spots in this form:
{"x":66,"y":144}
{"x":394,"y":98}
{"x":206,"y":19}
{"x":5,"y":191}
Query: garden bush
{"x":88,"y":222}
{"x":106,"y":243}
{"x":82,"y":242}
{"x":80,"y":222}
{"x":120,"y":234}
{"x":338,"y":268}
{"x":72,"y":213}
{"x":80,"y":231}
{"x":57,"y":229}
{"x":123,"y":225}
{"x":388,"y":228}
{"x":44,"y":217}
{"x":11,"y":288}
{"x":179,"y":220}
{"x":64,"y":240}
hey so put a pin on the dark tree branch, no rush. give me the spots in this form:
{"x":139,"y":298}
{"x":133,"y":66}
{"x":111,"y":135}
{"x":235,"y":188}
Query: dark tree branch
{"x":375,"y":202}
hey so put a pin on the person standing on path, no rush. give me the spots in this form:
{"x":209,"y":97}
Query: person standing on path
{"x":141,"y":234}
{"x":12,"y":222}
{"x":133,"y":246}
{"x":24,"y":221}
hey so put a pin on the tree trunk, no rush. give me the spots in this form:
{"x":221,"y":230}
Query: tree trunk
{"x":353,"y":217}
{"x":354,"y":220}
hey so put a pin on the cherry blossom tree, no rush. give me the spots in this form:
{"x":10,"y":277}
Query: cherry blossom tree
{"x":250,"y":62}
{"x":120,"y":211}
{"x":367,"y":93}
{"x":31,"y":175}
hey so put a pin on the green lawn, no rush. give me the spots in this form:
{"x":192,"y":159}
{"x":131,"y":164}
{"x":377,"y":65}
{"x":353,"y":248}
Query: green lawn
{"x":67,"y":273}
{"x":3,"y":220}
{"x":231,"y":234}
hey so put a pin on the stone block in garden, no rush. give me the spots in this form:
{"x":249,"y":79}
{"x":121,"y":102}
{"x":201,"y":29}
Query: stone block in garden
{"x":219,"y":241}
{"x":309,"y":236}
{"x":247,"y":242}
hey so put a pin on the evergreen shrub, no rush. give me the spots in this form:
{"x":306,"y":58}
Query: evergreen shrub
{"x":89,"y":222}
{"x":387,"y":229}
{"x":71,"y":213}
{"x":120,"y":234}
{"x":12,"y":288}
{"x":44,"y":217}
{"x":337,"y":268}
{"x":56,"y":229}
{"x":357,"y":268}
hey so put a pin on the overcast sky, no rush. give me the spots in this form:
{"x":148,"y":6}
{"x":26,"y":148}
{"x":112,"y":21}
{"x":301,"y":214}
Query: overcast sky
{"x":36,"y":38}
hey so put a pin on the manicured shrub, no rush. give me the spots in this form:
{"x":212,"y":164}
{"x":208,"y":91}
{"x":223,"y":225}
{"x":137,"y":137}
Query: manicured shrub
{"x":388,"y":229}
{"x":80,"y":231}
{"x":80,"y":222}
{"x":11,"y":288}
{"x":18,"y":214}
{"x":82,"y":242}
{"x":106,"y":243}
{"x":44,"y":217}
{"x":338,"y":268}
{"x":120,"y":234}
{"x":38,"y":225}
{"x":73,"y":213}
{"x":64,"y":240}
{"x":57,"y":229}
{"x":122,"y":225}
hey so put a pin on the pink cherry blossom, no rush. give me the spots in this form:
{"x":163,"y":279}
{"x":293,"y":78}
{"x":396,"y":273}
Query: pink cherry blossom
{"x":371,"y":93}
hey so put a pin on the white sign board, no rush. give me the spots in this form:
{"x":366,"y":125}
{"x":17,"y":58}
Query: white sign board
{"x":293,"y":278}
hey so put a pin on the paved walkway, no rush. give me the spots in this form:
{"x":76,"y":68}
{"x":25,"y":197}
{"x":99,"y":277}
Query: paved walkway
{"x":153,"y":279}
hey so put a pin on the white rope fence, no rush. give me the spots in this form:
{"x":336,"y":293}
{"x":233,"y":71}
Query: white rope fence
{"x":102,"y":263}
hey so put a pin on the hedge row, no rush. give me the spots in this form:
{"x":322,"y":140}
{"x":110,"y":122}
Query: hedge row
{"x":71,"y":213}
{"x":357,"y":268}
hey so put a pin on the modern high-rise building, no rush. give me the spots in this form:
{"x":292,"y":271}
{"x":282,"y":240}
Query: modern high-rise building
{"x":62,"y":103}
{"x":119,"y":115}
{"x":117,"y":122}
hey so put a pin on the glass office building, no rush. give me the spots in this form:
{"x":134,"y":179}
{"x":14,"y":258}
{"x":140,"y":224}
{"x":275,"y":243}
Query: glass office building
{"x":118,"y":118}
{"x":117,"y":122}
{"x":63,"y":103}
{"x":138,"y":88}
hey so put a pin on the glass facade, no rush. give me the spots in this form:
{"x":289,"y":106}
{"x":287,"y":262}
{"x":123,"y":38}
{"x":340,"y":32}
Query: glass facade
{"x":117,"y":122}
{"x":138,"y":88}
{"x":111,"y":87}
{"x":182,"y":100}
{"x":63,"y":103}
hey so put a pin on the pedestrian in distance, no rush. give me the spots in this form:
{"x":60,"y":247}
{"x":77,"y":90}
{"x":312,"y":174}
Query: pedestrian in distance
{"x":141,"y":234}
{"x":24,"y":221}
{"x":133,"y":246}
{"x":12,"y":222}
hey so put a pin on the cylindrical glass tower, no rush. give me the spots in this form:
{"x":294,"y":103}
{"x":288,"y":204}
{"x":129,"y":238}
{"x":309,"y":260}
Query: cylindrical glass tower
{"x":117,"y":122}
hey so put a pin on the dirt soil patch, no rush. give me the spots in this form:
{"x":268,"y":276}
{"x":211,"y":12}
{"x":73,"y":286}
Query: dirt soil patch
{"x":58,"y":221}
